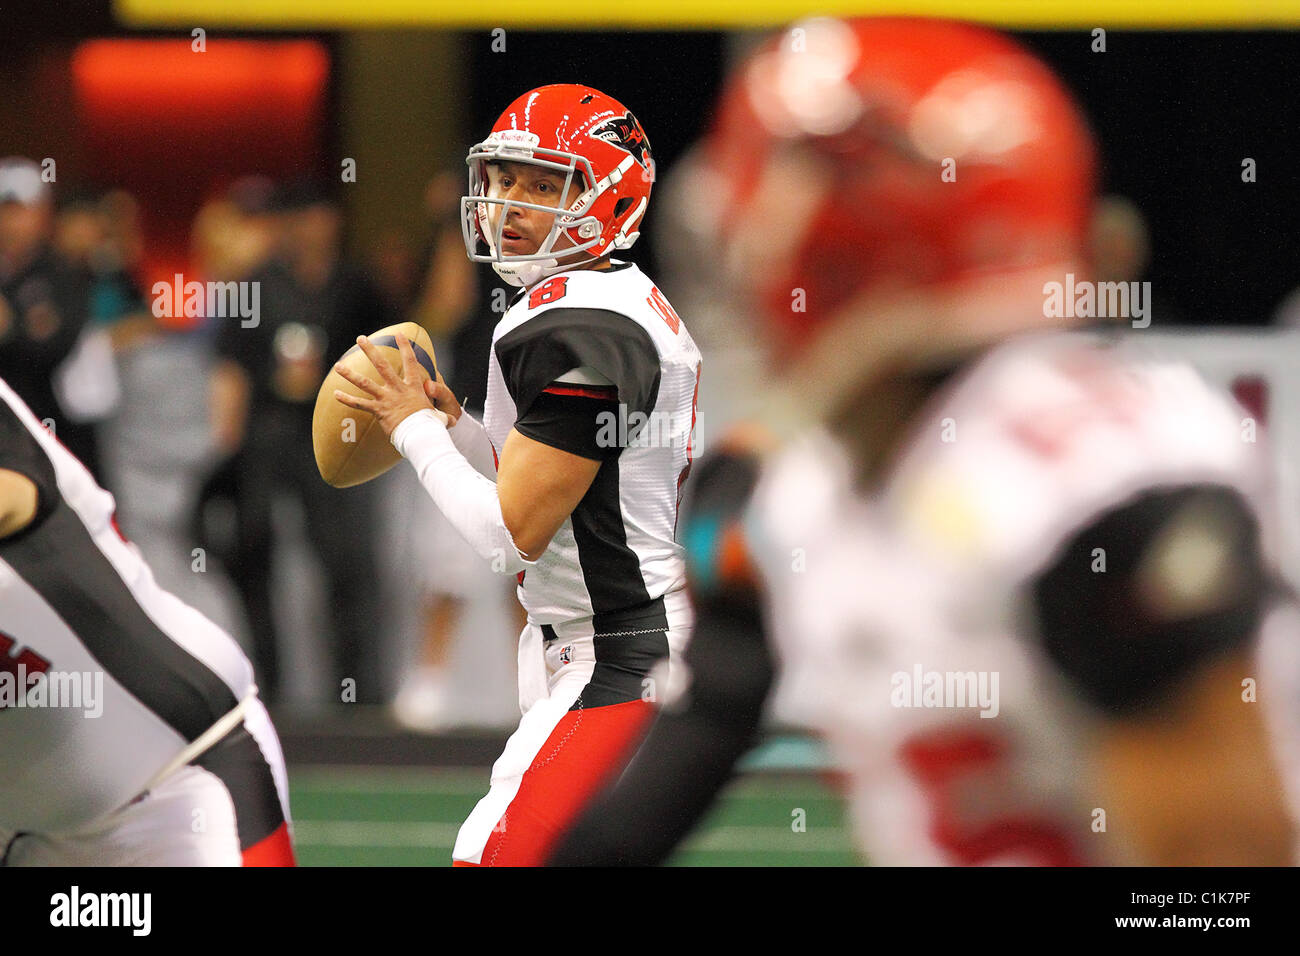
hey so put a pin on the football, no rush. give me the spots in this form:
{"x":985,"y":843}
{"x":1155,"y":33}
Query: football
{"x":350,"y":446}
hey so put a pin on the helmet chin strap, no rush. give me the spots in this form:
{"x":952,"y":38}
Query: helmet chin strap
{"x":530,"y":272}
{"x":525,"y":274}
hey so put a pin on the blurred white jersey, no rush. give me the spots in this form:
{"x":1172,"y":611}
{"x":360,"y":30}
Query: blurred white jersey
{"x":133,"y":676}
{"x":616,"y":556}
{"x":903,"y":622}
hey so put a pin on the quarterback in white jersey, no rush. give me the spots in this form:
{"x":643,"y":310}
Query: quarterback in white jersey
{"x":1016,"y":577}
{"x":130,"y":728}
{"x":573,"y":478}
{"x":616,"y":553}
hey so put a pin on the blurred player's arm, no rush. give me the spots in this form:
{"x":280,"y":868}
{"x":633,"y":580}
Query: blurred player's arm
{"x":28,"y":488}
{"x":18,"y":500}
{"x":692,"y":748}
{"x":1194,"y":781}
{"x":1159,"y":642}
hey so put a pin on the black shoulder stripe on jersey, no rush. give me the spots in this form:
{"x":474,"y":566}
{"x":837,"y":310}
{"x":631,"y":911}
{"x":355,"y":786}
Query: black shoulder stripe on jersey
{"x":20,"y":452}
{"x":539,"y":351}
{"x":62,"y":563}
{"x":1107,"y":628}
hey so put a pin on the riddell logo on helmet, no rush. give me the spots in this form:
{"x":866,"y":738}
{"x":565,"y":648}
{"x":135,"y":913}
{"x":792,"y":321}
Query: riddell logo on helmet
{"x":625,"y":133}
{"x":515,"y":139}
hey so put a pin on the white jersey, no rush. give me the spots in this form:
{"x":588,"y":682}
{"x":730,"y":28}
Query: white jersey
{"x":900,"y":620}
{"x":604,"y":334}
{"x":133,"y":675}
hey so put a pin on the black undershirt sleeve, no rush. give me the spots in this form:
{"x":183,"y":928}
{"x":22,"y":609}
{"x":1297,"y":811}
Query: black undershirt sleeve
{"x":691,"y":751}
{"x":576,"y":420}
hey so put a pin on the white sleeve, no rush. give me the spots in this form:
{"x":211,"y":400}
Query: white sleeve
{"x":471,"y":440}
{"x":467,"y":498}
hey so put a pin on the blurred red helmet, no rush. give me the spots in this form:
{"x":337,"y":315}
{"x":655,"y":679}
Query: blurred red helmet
{"x":855,"y":157}
{"x":577,"y":131}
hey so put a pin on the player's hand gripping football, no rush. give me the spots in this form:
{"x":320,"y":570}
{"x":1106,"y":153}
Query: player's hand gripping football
{"x":444,"y":399}
{"x":393,"y":399}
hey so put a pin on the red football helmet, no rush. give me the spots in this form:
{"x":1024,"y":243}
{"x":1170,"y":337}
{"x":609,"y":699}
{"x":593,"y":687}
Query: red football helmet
{"x":850,"y":158}
{"x":575,"y":130}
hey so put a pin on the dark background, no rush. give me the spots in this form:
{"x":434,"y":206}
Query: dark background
{"x":1175,"y":115}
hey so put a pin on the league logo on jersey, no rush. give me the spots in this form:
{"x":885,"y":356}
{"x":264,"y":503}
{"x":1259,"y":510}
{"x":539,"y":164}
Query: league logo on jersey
{"x":625,"y":133}
{"x":566,"y":654}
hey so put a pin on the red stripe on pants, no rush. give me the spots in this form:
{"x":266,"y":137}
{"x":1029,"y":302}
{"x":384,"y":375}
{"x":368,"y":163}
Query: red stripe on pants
{"x":274,"y":850}
{"x":586,"y":748}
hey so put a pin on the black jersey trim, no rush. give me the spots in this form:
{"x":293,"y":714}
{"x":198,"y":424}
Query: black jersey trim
{"x":610,"y":568}
{"x":238,"y":762}
{"x":63,"y":564}
{"x":623,"y":664}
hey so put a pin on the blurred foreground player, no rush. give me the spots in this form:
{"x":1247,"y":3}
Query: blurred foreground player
{"x":573,"y":477}
{"x":1013,"y":576}
{"x":130,"y":729}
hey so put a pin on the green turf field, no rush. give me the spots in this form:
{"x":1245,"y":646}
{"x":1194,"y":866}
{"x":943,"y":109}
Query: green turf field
{"x":407,"y":816}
